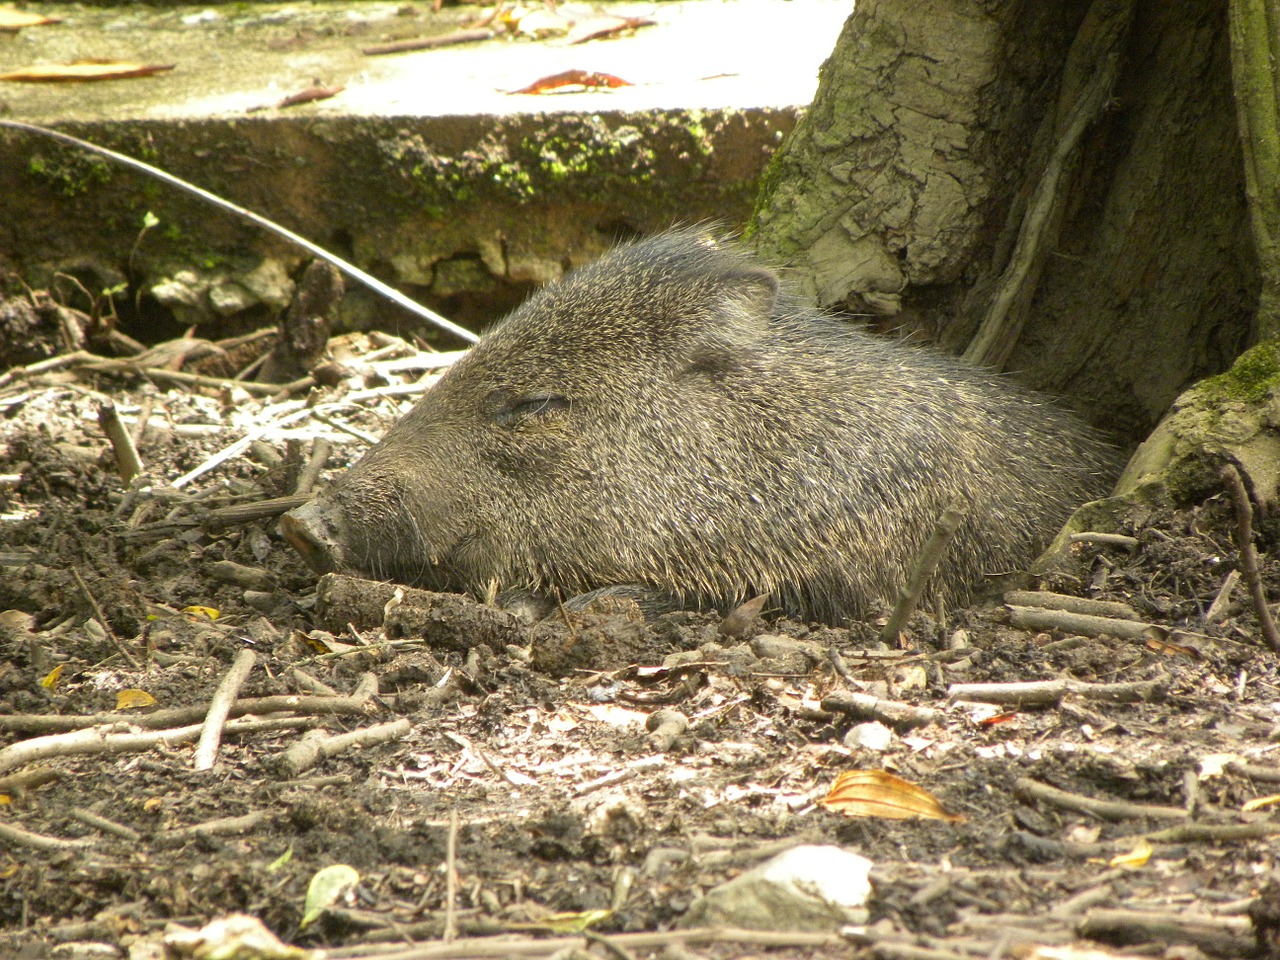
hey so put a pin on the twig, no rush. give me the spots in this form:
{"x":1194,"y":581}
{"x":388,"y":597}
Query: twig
{"x":451,"y":879}
{"x":305,"y":681}
{"x":1217,"y":936}
{"x":1029,"y":790}
{"x":45,"y":366}
{"x":1255,"y":772}
{"x":307,"y":752}
{"x":928,"y":560}
{"x":484,"y":947}
{"x":1218,"y":609}
{"x":97,"y":612}
{"x":1037,"y":618}
{"x":241,"y":513}
{"x":1046,"y":693}
{"x":354,"y":273}
{"x":427,"y":43}
{"x":355,"y":705}
{"x":1059,"y":601}
{"x":106,"y":826}
{"x":310,"y":473}
{"x":222,"y":827}
{"x":1106,"y":539}
{"x":38,"y":841}
{"x":106,"y":365}
{"x":140,"y":424}
{"x":117,"y":738}
{"x":28,"y":779}
{"x":892,"y":713}
{"x":1206,"y":833}
{"x":220,"y":707}
{"x":1249,"y":555}
{"x":128,"y":464}
{"x":344,"y":427}
{"x":237,"y":448}
{"x":239,"y":575}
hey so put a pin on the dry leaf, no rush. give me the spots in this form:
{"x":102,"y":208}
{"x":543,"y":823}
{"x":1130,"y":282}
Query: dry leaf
{"x":1137,"y":857}
{"x":134,"y":700}
{"x":15,"y":20}
{"x":740,"y":618}
{"x":1156,"y":642}
{"x":1215,"y":764}
{"x":875,"y":793}
{"x":1259,"y":803}
{"x":586,"y":79}
{"x":330,"y":885}
{"x":616,"y":716}
{"x":83,"y":70}
{"x":566,"y":923}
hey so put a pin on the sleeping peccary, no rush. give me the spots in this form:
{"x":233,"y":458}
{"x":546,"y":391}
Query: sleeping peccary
{"x":668,"y":417}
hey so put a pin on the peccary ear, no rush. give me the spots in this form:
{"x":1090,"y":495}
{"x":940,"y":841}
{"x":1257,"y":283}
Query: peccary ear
{"x":755,"y":290}
{"x":748,"y":297}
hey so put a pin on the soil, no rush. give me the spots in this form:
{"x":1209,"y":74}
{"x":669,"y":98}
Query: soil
{"x":520,"y":794}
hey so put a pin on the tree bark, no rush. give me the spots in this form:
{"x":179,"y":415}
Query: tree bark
{"x":1255,"y":45}
{"x":1054,"y":189}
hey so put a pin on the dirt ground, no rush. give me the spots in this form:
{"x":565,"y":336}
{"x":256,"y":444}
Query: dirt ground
{"x":506,"y":785}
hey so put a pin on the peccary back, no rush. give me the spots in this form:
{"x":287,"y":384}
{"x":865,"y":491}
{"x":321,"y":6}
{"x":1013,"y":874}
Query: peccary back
{"x":667,"y":417}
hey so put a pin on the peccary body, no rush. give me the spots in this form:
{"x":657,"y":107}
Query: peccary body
{"x":668,"y":417}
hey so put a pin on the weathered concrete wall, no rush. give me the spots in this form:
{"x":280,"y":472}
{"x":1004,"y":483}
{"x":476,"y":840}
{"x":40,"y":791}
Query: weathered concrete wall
{"x":466,"y":213}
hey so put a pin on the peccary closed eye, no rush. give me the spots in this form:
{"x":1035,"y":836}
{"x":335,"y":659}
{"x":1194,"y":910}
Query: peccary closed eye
{"x":667,"y":416}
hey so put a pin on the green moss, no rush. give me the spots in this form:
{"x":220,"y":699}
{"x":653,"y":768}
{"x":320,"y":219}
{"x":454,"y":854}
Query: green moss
{"x":768,"y":185}
{"x":70,"y":173}
{"x":1255,"y":374}
{"x":579,"y":157}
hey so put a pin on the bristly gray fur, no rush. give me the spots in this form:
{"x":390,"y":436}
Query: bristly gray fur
{"x":668,"y":416}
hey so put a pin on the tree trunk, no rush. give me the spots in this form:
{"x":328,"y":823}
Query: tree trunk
{"x":1055,"y":189}
{"x":1255,"y":45}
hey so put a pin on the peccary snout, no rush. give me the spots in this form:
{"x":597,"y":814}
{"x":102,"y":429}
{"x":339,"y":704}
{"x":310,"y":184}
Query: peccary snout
{"x":668,"y":416}
{"x":315,"y":531}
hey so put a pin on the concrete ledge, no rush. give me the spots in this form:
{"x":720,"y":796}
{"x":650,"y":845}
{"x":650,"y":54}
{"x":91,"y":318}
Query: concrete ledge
{"x":422,"y":170}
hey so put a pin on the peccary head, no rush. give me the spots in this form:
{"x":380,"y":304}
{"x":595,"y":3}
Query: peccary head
{"x":664,"y":416}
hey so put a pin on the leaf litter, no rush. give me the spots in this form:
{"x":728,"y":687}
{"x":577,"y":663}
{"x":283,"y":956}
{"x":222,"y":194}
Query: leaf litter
{"x":498,"y":786}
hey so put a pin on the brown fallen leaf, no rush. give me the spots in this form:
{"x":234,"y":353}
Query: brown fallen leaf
{"x":85,"y":70}
{"x":875,"y":793}
{"x":574,"y":78}
{"x":598,"y":28}
{"x":14,"y":20}
{"x":740,"y":618}
{"x":1006,"y":717}
{"x":1160,"y":641}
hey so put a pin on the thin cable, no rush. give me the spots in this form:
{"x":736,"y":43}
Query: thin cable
{"x":355,"y":273}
